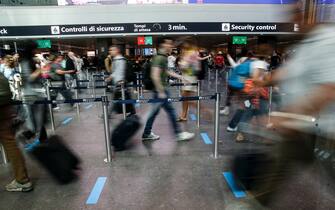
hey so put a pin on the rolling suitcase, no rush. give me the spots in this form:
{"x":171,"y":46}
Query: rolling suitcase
{"x":57,"y":159}
{"x":124,"y":131}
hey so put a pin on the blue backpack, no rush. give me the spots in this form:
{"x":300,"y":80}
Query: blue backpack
{"x":239,"y":74}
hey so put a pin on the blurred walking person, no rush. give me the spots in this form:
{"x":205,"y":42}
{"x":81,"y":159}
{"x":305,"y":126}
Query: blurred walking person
{"x":159,"y":74}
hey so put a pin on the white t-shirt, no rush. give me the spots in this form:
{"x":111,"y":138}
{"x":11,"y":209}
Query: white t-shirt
{"x":172,"y":61}
{"x":312,"y":64}
{"x":259,"y":64}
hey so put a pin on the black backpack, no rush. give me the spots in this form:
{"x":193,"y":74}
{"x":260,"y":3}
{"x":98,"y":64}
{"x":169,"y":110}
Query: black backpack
{"x":130,"y":71}
{"x":147,"y":81}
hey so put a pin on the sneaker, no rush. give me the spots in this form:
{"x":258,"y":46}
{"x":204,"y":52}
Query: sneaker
{"x":14,"y":186}
{"x":225,"y":111}
{"x":184,"y":136}
{"x":150,"y":137}
{"x":56,"y":108}
{"x":229,"y":129}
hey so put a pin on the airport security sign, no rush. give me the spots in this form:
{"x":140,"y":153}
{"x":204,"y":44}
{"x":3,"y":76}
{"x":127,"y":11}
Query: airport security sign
{"x":146,"y":28}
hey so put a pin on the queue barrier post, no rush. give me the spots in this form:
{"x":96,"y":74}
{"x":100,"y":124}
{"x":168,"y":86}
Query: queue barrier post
{"x":141,"y":84}
{"x":216,"y":125}
{"x":216,"y":80}
{"x":138,"y":86}
{"x":3,"y":154}
{"x":105,"y":89}
{"x":93,"y":89}
{"x":270,"y":104}
{"x":76,"y":94}
{"x":198,"y":103}
{"x":179,"y":87}
{"x":106,"y":129}
{"x":52,"y":119}
{"x":123,"y":95}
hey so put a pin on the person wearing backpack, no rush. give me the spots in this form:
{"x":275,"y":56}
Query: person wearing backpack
{"x":159,"y":73}
{"x":230,"y":91}
{"x":251,"y":69}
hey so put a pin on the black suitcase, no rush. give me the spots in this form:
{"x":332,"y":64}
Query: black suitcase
{"x":124,"y":131}
{"x":58,"y":159}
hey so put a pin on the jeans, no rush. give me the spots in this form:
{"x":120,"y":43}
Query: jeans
{"x":168,"y":107}
{"x":8,"y":141}
{"x":66,"y":93}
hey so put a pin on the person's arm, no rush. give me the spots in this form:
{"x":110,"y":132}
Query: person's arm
{"x":312,"y":104}
{"x":231,"y":61}
{"x":203,"y":58}
{"x":35,"y":74}
{"x":62,"y":72}
{"x":156,"y":79}
{"x":107,"y":65}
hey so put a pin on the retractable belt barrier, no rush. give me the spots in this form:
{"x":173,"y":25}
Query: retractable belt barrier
{"x":120,"y":101}
{"x":105,"y":102}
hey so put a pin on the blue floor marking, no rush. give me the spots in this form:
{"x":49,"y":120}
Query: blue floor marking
{"x":96,"y":191}
{"x":89,"y":106}
{"x":238,"y":192}
{"x":206,"y":138}
{"x":193,"y":117}
{"x":67,"y":120}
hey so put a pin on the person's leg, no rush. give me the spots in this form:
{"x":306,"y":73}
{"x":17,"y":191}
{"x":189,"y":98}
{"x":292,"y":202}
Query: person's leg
{"x":155,"y":108}
{"x":236,"y":118}
{"x":66,"y":94}
{"x":168,"y":107}
{"x":185,"y":106}
{"x":15,"y":156}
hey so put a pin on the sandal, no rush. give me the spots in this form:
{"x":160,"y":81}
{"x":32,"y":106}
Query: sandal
{"x":180,"y":119}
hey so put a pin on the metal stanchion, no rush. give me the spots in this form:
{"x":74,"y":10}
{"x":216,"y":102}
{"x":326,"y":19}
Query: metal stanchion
{"x":106,"y":129}
{"x":216,"y":125}
{"x":50,"y":106}
{"x":3,"y":154}
{"x":93,"y":88}
{"x":76,"y":94}
{"x":179,"y":88}
{"x":123,"y":95}
{"x":105,"y":89}
{"x":141,"y":83}
{"x":216,"y":80}
{"x":198,"y":104}
{"x":270,"y":105}
{"x":138,"y":87}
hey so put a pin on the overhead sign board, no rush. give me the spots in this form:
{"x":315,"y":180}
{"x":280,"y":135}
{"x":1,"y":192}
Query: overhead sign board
{"x":145,"y":28}
{"x":240,"y":40}
{"x":43,"y":43}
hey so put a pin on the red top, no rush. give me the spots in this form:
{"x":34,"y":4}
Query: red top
{"x":219,"y":60}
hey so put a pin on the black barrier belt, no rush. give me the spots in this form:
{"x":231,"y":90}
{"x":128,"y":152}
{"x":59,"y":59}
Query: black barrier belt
{"x":130,"y":101}
{"x":126,"y":86}
{"x":85,"y":80}
{"x":183,"y":84}
{"x":108,"y":86}
{"x":58,"y":88}
{"x":164,"y":100}
{"x":95,"y":75}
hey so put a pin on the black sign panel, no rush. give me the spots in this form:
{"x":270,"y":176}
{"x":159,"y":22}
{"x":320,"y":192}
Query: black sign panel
{"x":151,"y":28}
